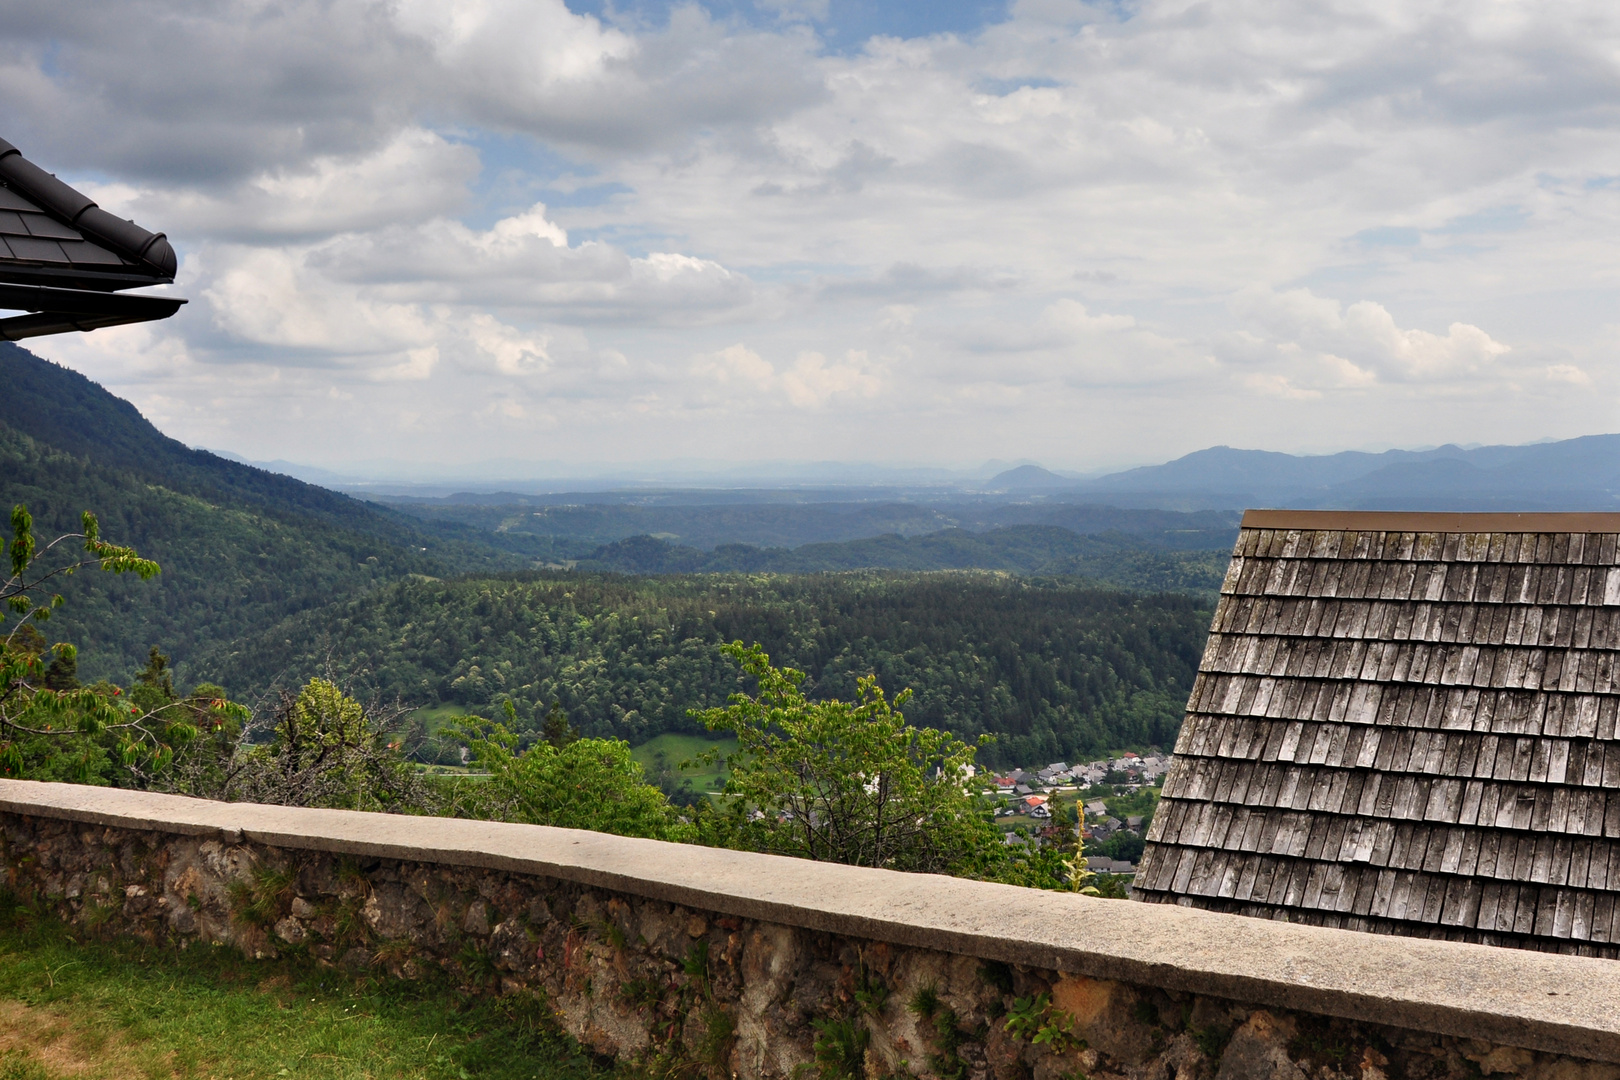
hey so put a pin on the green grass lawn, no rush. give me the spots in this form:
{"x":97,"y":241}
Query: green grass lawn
{"x":438,"y":717}
{"x":679,"y":748}
{"x":1144,"y":801}
{"x":118,"y":1009}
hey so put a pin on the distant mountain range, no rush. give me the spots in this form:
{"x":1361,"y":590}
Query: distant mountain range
{"x":1029,"y":478}
{"x":1575,"y":474}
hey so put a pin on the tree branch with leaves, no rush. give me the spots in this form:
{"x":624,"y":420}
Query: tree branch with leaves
{"x":49,"y":725}
{"x":849,"y":782}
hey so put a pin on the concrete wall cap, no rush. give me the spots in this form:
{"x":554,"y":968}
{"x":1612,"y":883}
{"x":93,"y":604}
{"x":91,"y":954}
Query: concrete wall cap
{"x":1544,"y":1001}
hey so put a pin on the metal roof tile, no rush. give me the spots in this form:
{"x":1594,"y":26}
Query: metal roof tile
{"x":36,"y":249}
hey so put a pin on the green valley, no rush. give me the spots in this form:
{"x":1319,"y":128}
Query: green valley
{"x":1064,"y":630}
{"x":1054,"y":668}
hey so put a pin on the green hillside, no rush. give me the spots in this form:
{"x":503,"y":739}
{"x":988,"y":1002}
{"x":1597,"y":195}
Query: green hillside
{"x":240,"y":547}
{"x":1058,"y":669}
{"x":265,"y":577}
{"x":1115,"y":558}
{"x":583,"y":521}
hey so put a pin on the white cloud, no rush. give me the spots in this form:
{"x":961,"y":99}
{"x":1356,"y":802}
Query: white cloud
{"x":1360,"y":345}
{"x":735,"y":363}
{"x":810,"y":382}
{"x":416,"y":174}
{"x":514,"y":353}
{"x":525,"y":261}
{"x":1026,"y":240}
{"x":814,"y":381}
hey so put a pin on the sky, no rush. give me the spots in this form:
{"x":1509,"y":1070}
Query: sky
{"x":438,"y":233}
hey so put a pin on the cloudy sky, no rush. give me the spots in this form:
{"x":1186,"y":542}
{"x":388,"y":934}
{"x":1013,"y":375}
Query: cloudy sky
{"x":442,"y":232}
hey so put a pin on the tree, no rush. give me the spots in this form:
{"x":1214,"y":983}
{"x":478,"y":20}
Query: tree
{"x":557,"y":730}
{"x":155,"y":682}
{"x":326,"y":750}
{"x":579,"y":784}
{"x":51,"y":727}
{"x":848,"y":782}
{"x":855,"y":783}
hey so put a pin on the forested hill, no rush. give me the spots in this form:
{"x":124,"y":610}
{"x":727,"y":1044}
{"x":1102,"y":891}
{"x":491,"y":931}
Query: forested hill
{"x":243,"y":549}
{"x":1114,"y":558}
{"x":579,"y":522}
{"x":1057,"y":669}
{"x":61,"y":409}
{"x":240,"y":547}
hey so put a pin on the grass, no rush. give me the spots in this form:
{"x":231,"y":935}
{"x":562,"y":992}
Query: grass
{"x":679,"y":748}
{"x":120,"y":1009}
{"x":439,"y":717}
{"x":1144,"y":801}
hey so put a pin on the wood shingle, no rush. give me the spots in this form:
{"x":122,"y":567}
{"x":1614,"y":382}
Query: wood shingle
{"x":1406,"y":723}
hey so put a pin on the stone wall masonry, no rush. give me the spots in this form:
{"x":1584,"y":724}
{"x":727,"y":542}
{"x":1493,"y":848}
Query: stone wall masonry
{"x":726,"y":964}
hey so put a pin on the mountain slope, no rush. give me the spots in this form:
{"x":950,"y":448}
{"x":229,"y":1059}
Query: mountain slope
{"x":239,"y":547}
{"x":1113,"y":558}
{"x":63,"y":410}
{"x":1027,"y":478}
{"x":564,"y":527}
{"x":1574,"y":474}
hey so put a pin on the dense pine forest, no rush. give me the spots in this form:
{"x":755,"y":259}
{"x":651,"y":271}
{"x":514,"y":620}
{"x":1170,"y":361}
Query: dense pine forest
{"x":1056,"y":669}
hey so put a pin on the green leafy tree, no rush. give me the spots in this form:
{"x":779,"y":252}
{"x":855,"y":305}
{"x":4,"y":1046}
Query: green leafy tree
{"x":846,"y":782}
{"x":326,"y":750}
{"x":51,"y":728}
{"x":855,"y":783}
{"x":579,"y":784}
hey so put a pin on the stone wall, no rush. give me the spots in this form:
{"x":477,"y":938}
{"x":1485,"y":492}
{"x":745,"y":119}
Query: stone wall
{"x":769,"y":969}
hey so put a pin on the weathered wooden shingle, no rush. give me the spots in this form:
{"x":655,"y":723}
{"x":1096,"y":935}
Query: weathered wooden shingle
{"x":1407,"y":723}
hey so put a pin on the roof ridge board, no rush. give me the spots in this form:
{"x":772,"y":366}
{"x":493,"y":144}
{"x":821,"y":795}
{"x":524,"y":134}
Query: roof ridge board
{"x":1399,"y":521}
{"x":152,"y":250}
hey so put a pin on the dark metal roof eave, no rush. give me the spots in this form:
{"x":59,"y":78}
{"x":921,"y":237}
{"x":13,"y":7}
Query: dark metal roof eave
{"x":65,"y":261}
{"x":46,"y":323}
{"x":74,"y":208}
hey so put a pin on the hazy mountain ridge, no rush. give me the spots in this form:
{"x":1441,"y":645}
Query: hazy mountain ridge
{"x":1574,"y":474}
{"x":792,"y":525}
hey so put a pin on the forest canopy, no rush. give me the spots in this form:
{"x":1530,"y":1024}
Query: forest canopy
{"x":1053,"y":668}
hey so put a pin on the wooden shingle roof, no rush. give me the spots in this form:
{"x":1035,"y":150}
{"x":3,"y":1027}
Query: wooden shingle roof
{"x":1406,"y":723}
